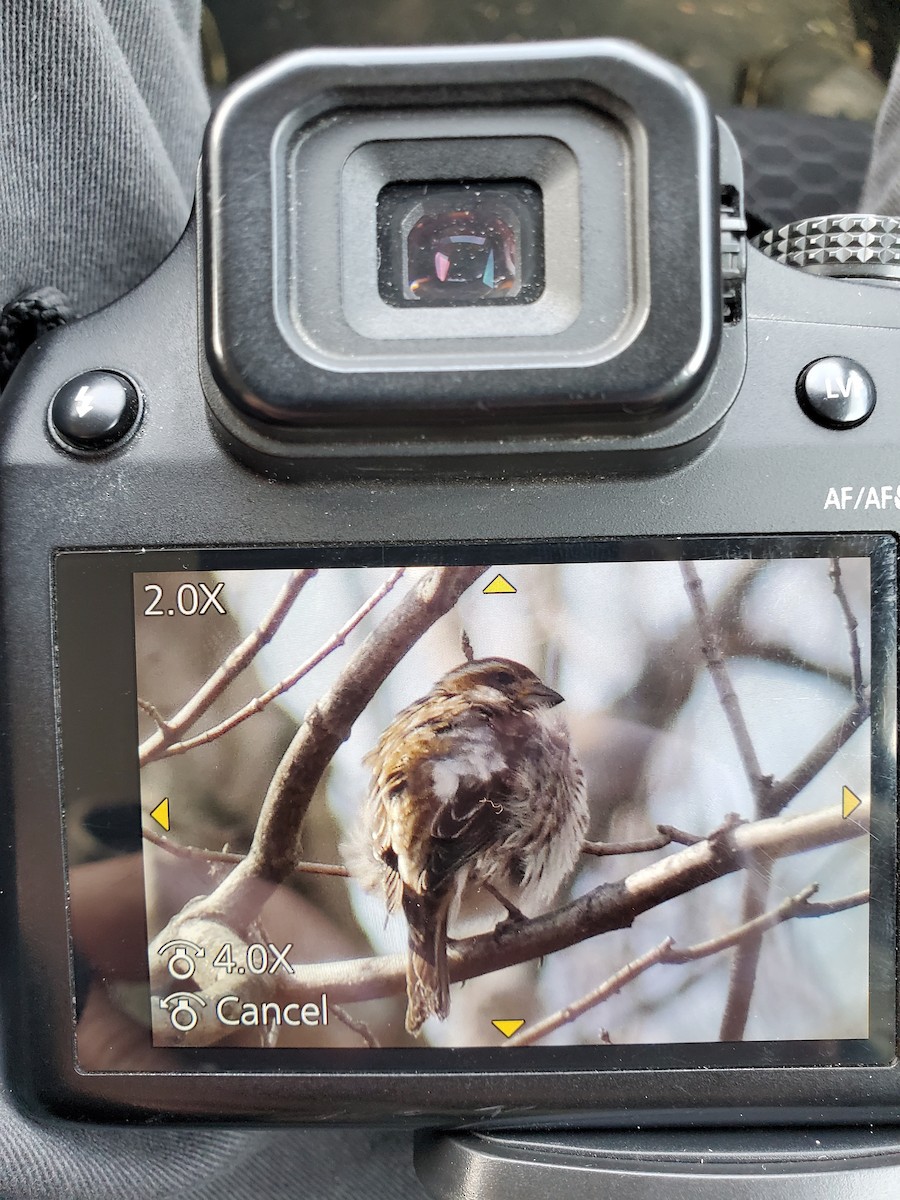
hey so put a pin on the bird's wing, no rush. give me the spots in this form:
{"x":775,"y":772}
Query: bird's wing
{"x":474,"y":791}
{"x":442,"y":782}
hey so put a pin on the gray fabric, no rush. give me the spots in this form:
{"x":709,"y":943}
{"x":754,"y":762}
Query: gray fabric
{"x":62,"y":1162}
{"x":881,"y":193}
{"x":121,"y":79}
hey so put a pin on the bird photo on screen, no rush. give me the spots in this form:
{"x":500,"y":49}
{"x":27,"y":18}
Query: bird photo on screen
{"x":475,"y":785}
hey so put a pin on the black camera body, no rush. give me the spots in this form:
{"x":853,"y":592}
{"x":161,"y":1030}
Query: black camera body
{"x":618,"y":378}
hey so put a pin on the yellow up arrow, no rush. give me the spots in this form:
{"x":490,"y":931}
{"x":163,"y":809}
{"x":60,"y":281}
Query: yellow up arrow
{"x":499,"y":586}
{"x":160,"y":814}
{"x":508,"y":1028}
{"x":850,"y":802}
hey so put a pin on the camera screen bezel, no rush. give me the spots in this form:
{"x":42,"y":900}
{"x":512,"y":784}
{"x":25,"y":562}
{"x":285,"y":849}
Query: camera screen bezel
{"x":95,"y":635}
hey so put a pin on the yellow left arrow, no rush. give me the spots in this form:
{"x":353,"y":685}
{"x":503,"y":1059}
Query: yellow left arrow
{"x":160,"y":814}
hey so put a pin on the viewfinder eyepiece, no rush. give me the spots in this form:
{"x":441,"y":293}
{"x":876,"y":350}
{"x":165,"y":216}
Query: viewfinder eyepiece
{"x":465,"y":244}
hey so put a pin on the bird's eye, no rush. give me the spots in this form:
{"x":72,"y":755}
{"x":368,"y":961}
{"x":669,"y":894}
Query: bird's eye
{"x":505,"y":677}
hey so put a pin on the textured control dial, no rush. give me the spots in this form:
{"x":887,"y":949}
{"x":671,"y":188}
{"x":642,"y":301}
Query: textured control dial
{"x":854,"y":245}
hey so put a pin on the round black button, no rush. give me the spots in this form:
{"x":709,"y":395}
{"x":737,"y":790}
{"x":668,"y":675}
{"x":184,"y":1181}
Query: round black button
{"x":836,"y":392}
{"x":94,"y":411}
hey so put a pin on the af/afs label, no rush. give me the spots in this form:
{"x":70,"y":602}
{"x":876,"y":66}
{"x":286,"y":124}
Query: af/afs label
{"x":864,"y":497}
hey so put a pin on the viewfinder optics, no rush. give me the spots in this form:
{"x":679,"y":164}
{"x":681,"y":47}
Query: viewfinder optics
{"x":461,"y":244}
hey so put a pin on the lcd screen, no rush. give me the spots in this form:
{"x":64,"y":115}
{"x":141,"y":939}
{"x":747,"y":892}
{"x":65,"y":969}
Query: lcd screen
{"x":601,"y":799}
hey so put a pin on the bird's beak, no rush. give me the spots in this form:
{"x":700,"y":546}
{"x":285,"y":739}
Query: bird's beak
{"x":546,"y":697}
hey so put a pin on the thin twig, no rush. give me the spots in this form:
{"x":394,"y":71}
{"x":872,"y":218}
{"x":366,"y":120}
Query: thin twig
{"x":608,"y":988}
{"x":670,"y":666}
{"x":791,"y":907}
{"x":745,"y":964}
{"x":666,"y":835}
{"x":170,"y":731}
{"x":641,"y":846}
{"x":356,"y":1025}
{"x":680,"y":836}
{"x":668,"y":953}
{"x":825,"y":908}
{"x":223,"y":856}
{"x":710,"y":644}
{"x":260,"y":702}
{"x":155,"y":715}
{"x":784,"y":791}
{"x":852,"y":630}
{"x":742,"y":644}
{"x":196,"y":852}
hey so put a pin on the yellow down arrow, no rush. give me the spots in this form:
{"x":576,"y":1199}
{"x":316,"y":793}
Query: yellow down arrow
{"x":160,"y":814}
{"x":508,"y":1028}
{"x":850,"y":802}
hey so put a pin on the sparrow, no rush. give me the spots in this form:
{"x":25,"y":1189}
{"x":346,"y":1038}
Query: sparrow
{"x":473,"y":785}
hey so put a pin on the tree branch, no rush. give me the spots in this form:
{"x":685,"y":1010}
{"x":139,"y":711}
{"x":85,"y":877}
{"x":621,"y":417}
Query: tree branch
{"x":667,"y":679}
{"x":155,"y":716}
{"x":609,"y":906}
{"x":168,"y":732}
{"x":742,"y":644}
{"x":639,"y":846}
{"x":745,"y":964}
{"x":328,"y":723}
{"x":670,"y":666}
{"x":788,"y":908}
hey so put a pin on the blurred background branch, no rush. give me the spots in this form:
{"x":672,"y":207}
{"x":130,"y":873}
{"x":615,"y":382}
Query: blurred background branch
{"x":668,"y":952}
{"x":769,"y":797}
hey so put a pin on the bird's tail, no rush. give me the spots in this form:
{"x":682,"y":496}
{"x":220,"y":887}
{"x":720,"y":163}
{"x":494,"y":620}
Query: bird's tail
{"x":427,"y":972}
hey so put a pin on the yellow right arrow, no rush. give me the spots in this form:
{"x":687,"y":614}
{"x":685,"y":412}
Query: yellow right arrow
{"x":508,"y":1028}
{"x":850,"y":802}
{"x":160,"y":814}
